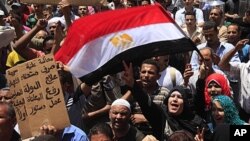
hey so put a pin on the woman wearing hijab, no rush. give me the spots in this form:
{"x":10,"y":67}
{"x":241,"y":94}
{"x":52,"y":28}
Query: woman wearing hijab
{"x":214,"y":84}
{"x":225,"y":111}
{"x":175,"y":114}
{"x":224,"y":114}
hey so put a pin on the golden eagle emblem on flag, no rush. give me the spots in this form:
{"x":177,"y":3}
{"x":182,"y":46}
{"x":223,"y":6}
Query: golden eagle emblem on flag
{"x":122,"y":40}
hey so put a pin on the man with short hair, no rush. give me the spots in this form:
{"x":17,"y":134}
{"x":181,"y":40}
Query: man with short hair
{"x":217,"y":15}
{"x":192,"y":30}
{"x":210,"y":32}
{"x":188,"y":7}
{"x":170,"y":76}
{"x":233,"y":36}
{"x":149,"y":74}
{"x":82,"y":11}
{"x":244,"y":23}
{"x":191,"y":76}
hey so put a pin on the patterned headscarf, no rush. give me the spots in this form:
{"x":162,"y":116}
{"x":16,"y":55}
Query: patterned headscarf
{"x":230,"y":111}
{"x":221,"y":81}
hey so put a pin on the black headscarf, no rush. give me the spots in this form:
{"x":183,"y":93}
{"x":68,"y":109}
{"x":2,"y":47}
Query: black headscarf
{"x":187,"y":120}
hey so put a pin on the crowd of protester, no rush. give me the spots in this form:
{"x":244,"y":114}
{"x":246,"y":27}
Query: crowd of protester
{"x":186,"y":96}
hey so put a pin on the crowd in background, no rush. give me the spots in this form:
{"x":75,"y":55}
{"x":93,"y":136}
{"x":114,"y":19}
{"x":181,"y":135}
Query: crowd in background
{"x":192,"y":96}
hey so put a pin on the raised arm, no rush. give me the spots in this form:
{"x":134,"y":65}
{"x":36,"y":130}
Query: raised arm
{"x":59,"y":36}
{"x":224,"y":63}
{"x":66,"y":12}
{"x":22,"y":43}
{"x":149,"y":109}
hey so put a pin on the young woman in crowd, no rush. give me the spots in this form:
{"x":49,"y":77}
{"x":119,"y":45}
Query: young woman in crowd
{"x":225,"y":111}
{"x":215,"y":84}
{"x":176,"y":113}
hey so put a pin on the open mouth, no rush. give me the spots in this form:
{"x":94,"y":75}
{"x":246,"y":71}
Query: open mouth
{"x":116,"y":123}
{"x":218,"y":118}
{"x":174,"y":106}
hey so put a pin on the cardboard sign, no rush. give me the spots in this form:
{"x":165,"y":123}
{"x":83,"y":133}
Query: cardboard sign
{"x":72,"y":2}
{"x":37,"y":96}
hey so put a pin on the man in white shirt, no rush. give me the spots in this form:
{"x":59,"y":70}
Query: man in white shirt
{"x":244,"y":78}
{"x":170,"y":76}
{"x":188,"y":7}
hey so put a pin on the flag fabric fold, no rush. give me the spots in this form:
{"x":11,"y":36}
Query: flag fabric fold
{"x":96,"y":45}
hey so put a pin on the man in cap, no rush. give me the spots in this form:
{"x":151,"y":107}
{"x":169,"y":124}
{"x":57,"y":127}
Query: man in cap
{"x":18,"y":9}
{"x":52,"y":24}
{"x":119,"y":115}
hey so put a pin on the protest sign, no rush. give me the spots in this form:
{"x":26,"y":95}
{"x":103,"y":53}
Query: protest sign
{"x":72,"y":2}
{"x":37,"y":95}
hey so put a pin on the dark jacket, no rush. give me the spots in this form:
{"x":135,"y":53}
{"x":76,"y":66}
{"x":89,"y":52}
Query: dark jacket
{"x":157,"y":116}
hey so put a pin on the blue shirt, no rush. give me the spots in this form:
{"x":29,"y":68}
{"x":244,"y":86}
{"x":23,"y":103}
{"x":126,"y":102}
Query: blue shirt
{"x":244,"y":53}
{"x":221,"y":51}
{"x":73,"y":133}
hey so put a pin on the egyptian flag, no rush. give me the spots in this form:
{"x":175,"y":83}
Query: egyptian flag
{"x":96,"y":45}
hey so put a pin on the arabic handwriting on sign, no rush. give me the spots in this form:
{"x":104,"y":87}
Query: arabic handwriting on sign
{"x":52,"y":93}
{"x":17,"y":93}
{"x":18,"y":102}
{"x":30,"y":65}
{"x":50,"y":78}
{"x":28,"y":75}
{"x":36,"y":108}
{"x":14,"y":82}
{"x":30,"y":89}
{"x":54,"y":102}
{"x":34,"y":97}
{"x":22,"y":114}
{"x":44,"y":60}
{"x":47,"y":69}
{"x":12,"y":73}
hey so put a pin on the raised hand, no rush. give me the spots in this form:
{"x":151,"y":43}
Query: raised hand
{"x":188,"y":72}
{"x":240,"y":44}
{"x":128,"y":76}
{"x":200,"y":134}
{"x":41,"y":23}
